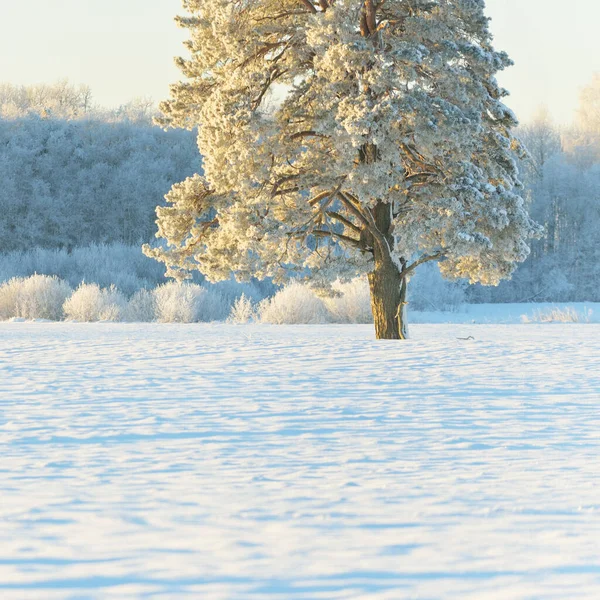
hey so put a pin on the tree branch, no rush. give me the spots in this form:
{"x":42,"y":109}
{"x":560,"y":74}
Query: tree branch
{"x":319,"y":197}
{"x":371,"y":16}
{"x":289,"y":13}
{"x":303,"y":134}
{"x":369,"y":221}
{"x":343,"y":220}
{"x":344,"y":238}
{"x":283,"y":180}
{"x":355,"y":211}
{"x":424,"y":259}
{"x":285,"y":191}
{"x":309,"y":5}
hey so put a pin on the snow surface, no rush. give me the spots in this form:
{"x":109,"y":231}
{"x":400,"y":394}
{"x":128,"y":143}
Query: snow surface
{"x":214,"y":461}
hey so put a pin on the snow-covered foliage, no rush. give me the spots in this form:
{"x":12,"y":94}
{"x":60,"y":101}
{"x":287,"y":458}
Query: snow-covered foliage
{"x":188,"y":303}
{"x":68,"y":183}
{"x":9,"y":291}
{"x":335,"y":133}
{"x":60,"y":100}
{"x":35,"y":297}
{"x":48,"y":298}
{"x":558,"y":315}
{"x":351,"y":302}
{"x":562,"y":187}
{"x":141,"y":307}
{"x":242,"y":311}
{"x":66,"y":101}
{"x":293,"y":304}
{"x":90,"y":302}
{"x":587,"y":136}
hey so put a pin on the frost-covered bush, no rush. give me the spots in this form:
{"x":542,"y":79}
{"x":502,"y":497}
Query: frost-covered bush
{"x":294,"y":304}
{"x":90,"y":302}
{"x":42,"y":297}
{"x":242,"y":311}
{"x":558,"y":315}
{"x":188,"y":303}
{"x":35,"y":297}
{"x":352,"y":304}
{"x":141,"y":307}
{"x":9,"y":291}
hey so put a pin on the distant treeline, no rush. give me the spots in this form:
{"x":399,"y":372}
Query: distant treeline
{"x":562,"y":183}
{"x":73,"y":175}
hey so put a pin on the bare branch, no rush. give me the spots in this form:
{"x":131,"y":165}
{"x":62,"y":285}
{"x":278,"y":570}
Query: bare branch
{"x":283,"y":180}
{"x":273,"y":76}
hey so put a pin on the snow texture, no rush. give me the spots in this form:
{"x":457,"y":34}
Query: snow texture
{"x":255,"y":461}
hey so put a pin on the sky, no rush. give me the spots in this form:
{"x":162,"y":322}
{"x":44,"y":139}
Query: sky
{"x":124,"y":49}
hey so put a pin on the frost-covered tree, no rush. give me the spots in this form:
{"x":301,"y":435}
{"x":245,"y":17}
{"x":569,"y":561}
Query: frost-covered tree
{"x":543,"y":142}
{"x":59,"y":100}
{"x":588,"y":114}
{"x":341,"y":137}
{"x":584,"y":140}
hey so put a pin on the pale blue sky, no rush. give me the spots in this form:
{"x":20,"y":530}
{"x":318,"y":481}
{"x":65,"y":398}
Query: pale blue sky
{"x":125,"y":48}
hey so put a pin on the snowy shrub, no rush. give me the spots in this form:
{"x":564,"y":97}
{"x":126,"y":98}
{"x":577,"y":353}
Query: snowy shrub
{"x":141,"y":307}
{"x":90,"y":302}
{"x":557,"y":315}
{"x":353,"y":304}
{"x":293,"y":304}
{"x":188,"y":303}
{"x":242,"y":311}
{"x":42,"y":297}
{"x":9,"y":292}
{"x":35,"y":297}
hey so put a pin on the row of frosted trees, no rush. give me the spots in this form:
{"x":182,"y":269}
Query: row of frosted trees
{"x":72,"y":174}
{"x":563,"y":182}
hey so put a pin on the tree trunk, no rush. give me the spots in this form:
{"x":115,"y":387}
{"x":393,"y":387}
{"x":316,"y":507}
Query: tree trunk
{"x":387,"y":286}
{"x":388,"y":301}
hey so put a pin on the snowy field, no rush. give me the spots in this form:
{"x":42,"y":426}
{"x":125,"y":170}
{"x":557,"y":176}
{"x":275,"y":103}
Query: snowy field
{"x":213,"y":461}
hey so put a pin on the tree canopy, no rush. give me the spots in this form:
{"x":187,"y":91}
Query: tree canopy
{"x":342,"y":137}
